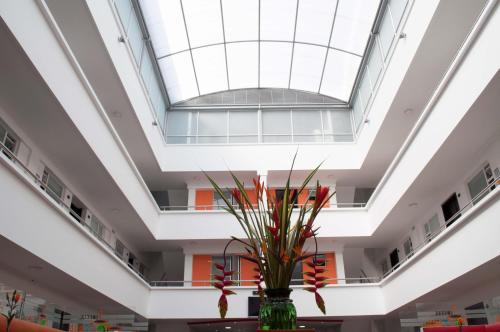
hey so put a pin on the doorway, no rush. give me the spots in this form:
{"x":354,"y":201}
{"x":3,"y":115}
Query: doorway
{"x":450,"y":209}
{"x":394,"y":257}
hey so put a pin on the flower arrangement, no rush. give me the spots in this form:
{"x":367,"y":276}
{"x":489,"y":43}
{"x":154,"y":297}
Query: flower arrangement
{"x":274,"y":242}
{"x":13,"y":306}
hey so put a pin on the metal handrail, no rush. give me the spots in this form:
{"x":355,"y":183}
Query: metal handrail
{"x":55,"y":197}
{"x":181,"y":283}
{"x":208,"y":207}
{"x":488,"y":189}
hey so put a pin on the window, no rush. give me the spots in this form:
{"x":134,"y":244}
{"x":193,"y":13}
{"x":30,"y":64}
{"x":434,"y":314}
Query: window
{"x":232,"y":264}
{"x":431,"y":227}
{"x":8,"y":139}
{"x":218,"y":202}
{"x":119,"y":248}
{"x":53,"y":186}
{"x":97,"y":227}
{"x":408,"y":247}
{"x":479,"y":182}
{"x":312,"y":195}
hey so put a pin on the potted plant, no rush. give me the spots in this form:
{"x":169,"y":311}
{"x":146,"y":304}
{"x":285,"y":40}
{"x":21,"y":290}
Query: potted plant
{"x":275,"y":240}
{"x":13,"y":306}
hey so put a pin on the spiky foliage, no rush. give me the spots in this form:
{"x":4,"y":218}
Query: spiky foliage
{"x":273,"y":241}
{"x":13,"y":305}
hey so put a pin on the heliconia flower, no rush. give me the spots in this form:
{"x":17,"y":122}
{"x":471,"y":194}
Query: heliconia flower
{"x":17,"y":297}
{"x":228,"y":292}
{"x":223,"y":306}
{"x":311,"y":289}
{"x":310,"y":281}
{"x":236,"y":195}
{"x":221,"y":284}
{"x":320,"y":302}
{"x":321,"y":195}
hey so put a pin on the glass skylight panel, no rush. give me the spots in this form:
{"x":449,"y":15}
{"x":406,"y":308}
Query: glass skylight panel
{"x":242,"y":63}
{"x":237,"y":44}
{"x":314,"y":21}
{"x":307,"y":67}
{"x":241,"y":19}
{"x":210,"y":66}
{"x":277,"y":19}
{"x":165,"y":25}
{"x":353,"y":23}
{"x":340,"y":73}
{"x":275,"y":59}
{"x":203,"y":20}
{"x":179,"y":76}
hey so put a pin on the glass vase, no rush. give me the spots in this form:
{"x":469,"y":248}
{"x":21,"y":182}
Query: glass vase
{"x":278,"y":312}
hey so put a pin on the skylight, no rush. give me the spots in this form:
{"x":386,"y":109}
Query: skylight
{"x":207,"y":46}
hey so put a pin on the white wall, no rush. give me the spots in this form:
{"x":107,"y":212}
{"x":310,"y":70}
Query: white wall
{"x":489,"y":154}
{"x":50,"y":55}
{"x":47,"y":231}
{"x":218,"y":224}
{"x":474,"y":242}
{"x":171,"y":302}
{"x":438,"y":125}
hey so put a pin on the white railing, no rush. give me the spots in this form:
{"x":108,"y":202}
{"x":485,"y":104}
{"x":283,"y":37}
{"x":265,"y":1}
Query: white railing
{"x":215,"y":207}
{"x":238,"y":282}
{"x":481,"y":195}
{"x":58,"y":200}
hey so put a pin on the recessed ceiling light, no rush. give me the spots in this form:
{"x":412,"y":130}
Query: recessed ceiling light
{"x":413,"y":204}
{"x":302,"y":326}
{"x":228,"y":327}
{"x":408,"y":111}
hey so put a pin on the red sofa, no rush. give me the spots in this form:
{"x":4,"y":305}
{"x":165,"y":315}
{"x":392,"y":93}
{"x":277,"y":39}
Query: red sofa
{"x":472,"y":328}
{"x":24,"y":326}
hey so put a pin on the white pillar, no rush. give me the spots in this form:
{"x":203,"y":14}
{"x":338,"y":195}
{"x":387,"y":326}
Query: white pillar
{"x":263,"y":180}
{"x":191,"y":198}
{"x":339,"y":261}
{"x":333,"y":199}
{"x":188,"y":269}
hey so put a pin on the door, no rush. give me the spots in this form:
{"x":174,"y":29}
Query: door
{"x":450,"y":209}
{"x":394,"y":257}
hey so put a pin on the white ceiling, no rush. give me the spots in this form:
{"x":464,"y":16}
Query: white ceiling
{"x":205,"y":46}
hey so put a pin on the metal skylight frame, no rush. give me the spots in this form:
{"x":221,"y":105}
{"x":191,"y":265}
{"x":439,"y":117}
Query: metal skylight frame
{"x":226,"y":81}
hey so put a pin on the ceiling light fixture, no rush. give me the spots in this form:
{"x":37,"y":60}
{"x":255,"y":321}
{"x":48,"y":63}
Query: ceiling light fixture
{"x":413,"y":204}
{"x":408,"y":111}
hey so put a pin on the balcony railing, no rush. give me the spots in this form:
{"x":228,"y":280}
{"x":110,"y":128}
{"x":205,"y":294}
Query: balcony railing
{"x":220,"y":207}
{"x":453,"y":219}
{"x":294,"y":282}
{"x":59,"y":201}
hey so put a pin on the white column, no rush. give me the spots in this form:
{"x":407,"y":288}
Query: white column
{"x":191,"y":198}
{"x":333,"y":199}
{"x":263,"y":179}
{"x":339,"y":261}
{"x":188,"y":269}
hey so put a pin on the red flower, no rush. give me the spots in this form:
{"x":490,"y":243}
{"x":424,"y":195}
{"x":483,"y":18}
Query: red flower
{"x":321,"y":195}
{"x":237,"y":195}
{"x":17,"y":297}
{"x":221,"y":283}
{"x":223,"y":306}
